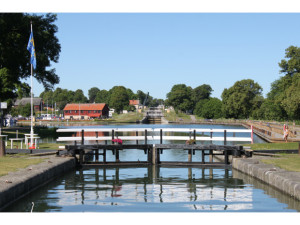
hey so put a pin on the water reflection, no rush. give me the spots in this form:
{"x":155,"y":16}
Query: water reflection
{"x":156,"y":189}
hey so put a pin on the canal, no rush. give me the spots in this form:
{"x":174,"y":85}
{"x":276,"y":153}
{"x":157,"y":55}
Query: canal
{"x":156,"y":189}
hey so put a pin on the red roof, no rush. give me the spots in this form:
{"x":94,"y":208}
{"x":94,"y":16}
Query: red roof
{"x":94,"y":106}
{"x":134,"y":102}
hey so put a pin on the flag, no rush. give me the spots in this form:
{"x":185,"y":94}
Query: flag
{"x":31,"y":49}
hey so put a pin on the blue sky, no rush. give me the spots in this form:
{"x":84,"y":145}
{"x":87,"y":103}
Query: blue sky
{"x":154,"y":51}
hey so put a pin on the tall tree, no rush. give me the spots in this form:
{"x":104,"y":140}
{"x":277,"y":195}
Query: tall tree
{"x":93,"y":93}
{"x":201,"y":92}
{"x":102,"y":97}
{"x":239,"y":100}
{"x":285,"y":92}
{"x":119,"y":98}
{"x":180,"y":97}
{"x":209,"y":108}
{"x":79,"y":97}
{"x":14,"y":57}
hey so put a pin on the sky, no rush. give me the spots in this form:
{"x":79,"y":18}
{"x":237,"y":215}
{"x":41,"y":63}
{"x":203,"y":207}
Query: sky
{"x":154,"y":51}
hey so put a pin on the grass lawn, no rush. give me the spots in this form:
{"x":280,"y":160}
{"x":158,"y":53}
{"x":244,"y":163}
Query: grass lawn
{"x":173,"y":117}
{"x":289,"y":162}
{"x":274,"y":146}
{"x":12,"y":163}
{"x":128,"y":117}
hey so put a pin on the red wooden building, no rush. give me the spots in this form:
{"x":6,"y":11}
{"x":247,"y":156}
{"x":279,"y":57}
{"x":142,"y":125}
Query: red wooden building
{"x":86,"y":111}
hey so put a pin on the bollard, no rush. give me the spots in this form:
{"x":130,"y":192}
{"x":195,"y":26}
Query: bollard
{"x":2,"y":148}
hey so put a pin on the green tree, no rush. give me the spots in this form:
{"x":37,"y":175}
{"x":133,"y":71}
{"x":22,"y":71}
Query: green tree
{"x":180,"y":98}
{"x":240,"y":99}
{"x":201,"y":92}
{"x":285,"y":91}
{"x":62,"y":97}
{"x":141,"y":96}
{"x":14,"y":57}
{"x":25,"y":110}
{"x":92,"y":94}
{"x":212,"y":109}
{"x":102,"y":97}
{"x":79,"y":97}
{"x":119,"y":98}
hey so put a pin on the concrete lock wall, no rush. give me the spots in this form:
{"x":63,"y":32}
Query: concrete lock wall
{"x":285,"y":181}
{"x":18,"y":184}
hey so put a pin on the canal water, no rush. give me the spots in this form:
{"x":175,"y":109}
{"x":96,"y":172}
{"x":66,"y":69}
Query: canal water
{"x":156,"y":189}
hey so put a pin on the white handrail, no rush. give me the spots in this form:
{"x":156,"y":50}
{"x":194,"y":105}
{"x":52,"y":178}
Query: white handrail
{"x":154,"y":134}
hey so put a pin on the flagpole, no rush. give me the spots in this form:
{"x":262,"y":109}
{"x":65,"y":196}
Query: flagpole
{"x":31,"y":128}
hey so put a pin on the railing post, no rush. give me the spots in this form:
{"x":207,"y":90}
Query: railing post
{"x":82,"y":137}
{"x":161,"y":140}
{"x":137,"y":134}
{"x":251,"y":134}
{"x":190,"y":155}
{"x":146,"y":137}
{"x":104,"y":152}
{"x":211,"y":134}
{"x":195,"y":136}
{"x":112,"y":134}
{"x":226,"y":157}
{"x":225,"y":137}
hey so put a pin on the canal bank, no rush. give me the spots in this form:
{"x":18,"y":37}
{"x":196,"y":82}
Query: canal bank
{"x":16,"y":185}
{"x":286,"y":181}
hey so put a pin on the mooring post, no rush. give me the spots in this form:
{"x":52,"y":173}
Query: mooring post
{"x":190,"y":155}
{"x":117,"y":155}
{"x":211,"y":156}
{"x":2,"y":147}
{"x":146,"y":137}
{"x":81,"y":151}
{"x":97,"y":150}
{"x":154,"y":155}
{"x":226,"y":156}
{"x":149,"y":155}
{"x":104,"y":153}
{"x":82,"y":137}
{"x":161,"y":136}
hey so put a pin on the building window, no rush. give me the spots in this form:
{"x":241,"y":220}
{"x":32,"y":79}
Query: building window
{"x":89,"y":111}
{"x":81,"y":111}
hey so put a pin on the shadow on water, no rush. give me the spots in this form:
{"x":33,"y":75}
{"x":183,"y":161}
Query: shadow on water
{"x":155,"y":189}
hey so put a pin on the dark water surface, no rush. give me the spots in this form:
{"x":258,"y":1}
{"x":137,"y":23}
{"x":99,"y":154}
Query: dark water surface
{"x":157,"y":189}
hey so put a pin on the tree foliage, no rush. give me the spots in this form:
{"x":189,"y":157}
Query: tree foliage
{"x":209,"y":108}
{"x":201,"y":92}
{"x":14,"y":56}
{"x":285,"y":92}
{"x":180,"y":98}
{"x":240,"y":100}
{"x":92,"y":94}
{"x":119,"y":98}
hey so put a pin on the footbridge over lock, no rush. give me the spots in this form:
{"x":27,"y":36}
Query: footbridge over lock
{"x":88,"y":141}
